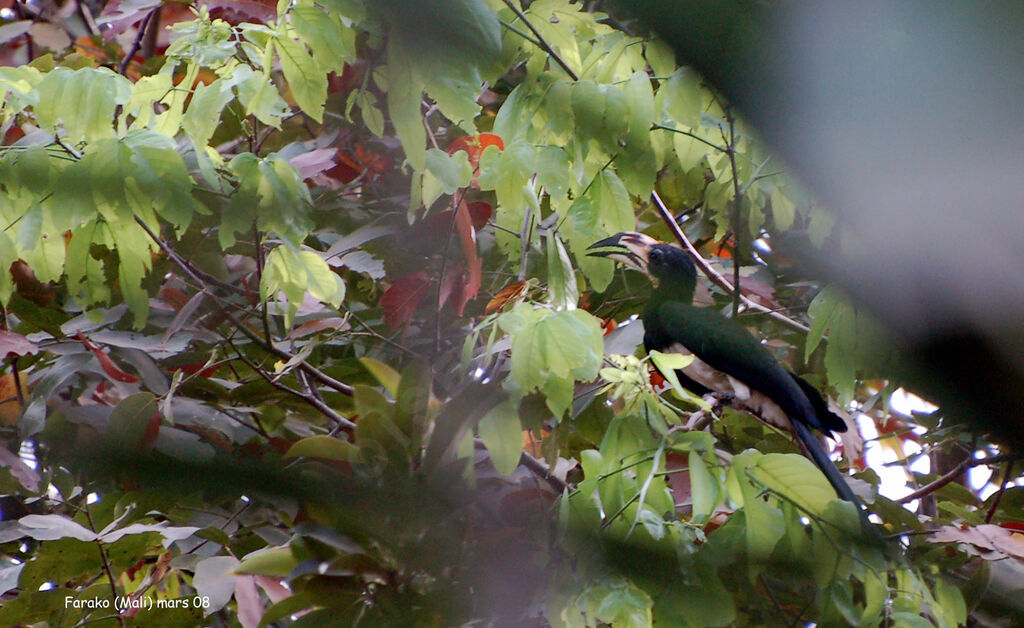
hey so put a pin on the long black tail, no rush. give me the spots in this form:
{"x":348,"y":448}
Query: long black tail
{"x":832,"y":474}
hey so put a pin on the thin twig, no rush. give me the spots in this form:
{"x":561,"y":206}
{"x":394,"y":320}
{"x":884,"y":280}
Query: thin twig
{"x":524,"y":240}
{"x":689,"y":134}
{"x":199,"y":276}
{"x":712,"y":274}
{"x":999,"y":494}
{"x":202,"y":279}
{"x":122,"y":68}
{"x":952,"y":474}
{"x":106,"y":564}
{"x":525,"y":36}
{"x":734,"y":215}
{"x":535,"y":466}
{"x":260,"y":263}
{"x":544,"y":45}
{"x":313,"y":400}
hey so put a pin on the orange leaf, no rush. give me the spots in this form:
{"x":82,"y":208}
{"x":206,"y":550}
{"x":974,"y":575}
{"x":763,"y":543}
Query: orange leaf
{"x":510,"y":292}
{"x":10,"y":407}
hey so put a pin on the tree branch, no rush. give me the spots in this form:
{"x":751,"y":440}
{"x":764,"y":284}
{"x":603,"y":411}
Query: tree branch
{"x":544,"y":45}
{"x":122,"y":68}
{"x":952,"y":474}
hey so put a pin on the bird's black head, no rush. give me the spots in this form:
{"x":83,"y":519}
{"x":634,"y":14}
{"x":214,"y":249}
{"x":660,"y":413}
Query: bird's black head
{"x":669,"y":267}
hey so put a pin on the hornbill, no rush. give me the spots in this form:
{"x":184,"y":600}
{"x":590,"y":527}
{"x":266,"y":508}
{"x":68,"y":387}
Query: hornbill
{"x":727,"y":358}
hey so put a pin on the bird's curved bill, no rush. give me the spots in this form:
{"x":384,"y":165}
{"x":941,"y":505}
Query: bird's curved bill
{"x":630,"y":248}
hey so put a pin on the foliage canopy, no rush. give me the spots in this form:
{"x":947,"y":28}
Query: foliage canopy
{"x":299,"y":330}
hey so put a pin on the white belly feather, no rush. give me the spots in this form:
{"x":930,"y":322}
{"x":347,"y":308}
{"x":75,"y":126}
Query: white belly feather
{"x":745,"y":398}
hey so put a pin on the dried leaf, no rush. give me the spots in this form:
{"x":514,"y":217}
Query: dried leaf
{"x":990,"y":542}
{"x":511,"y":292}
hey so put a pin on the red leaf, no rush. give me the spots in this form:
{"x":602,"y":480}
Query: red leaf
{"x":106,"y":363}
{"x":480,"y":212}
{"x":352,"y":164}
{"x":152,"y":431}
{"x":609,"y":325}
{"x":403,"y":298}
{"x":435,"y":227}
{"x":450,"y":283}
{"x":474,"y":145}
{"x":467,"y":236}
{"x":657,"y":379}
{"x":16,"y":344}
{"x":470,"y":287}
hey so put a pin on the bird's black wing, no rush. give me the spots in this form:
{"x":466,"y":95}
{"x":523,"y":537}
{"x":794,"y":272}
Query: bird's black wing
{"x":727,"y":346}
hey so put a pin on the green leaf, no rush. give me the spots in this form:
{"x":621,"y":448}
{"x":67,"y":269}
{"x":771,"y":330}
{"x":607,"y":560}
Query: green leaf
{"x":373,"y":118}
{"x":203,"y":114}
{"x":168,"y":121}
{"x":34,"y":169}
{"x":636,"y":161}
{"x":8,"y":255}
{"x":307,"y":81}
{"x":562,"y":289}
{"x":795,"y":477}
{"x":274,"y":561}
{"x":551,"y":350}
{"x":83,"y":100}
{"x":764,"y":523}
{"x":258,"y":95}
{"x":821,"y":310}
{"x":502,"y":432}
{"x":605,"y":209}
{"x":661,"y":56}
{"x":684,"y":97}
{"x":129,"y":420}
{"x":553,"y":171}
{"x":667,"y":364}
{"x":296,"y":273}
{"x":323,"y":446}
{"x":134,"y":260}
{"x":452,"y":171}
{"x":147,"y":91}
{"x":276,"y":191}
{"x":325,"y":35}
{"x":404,"y":97}
{"x":783,"y":209}
{"x":840,"y":364}
{"x":387,"y":376}
{"x":703,"y":488}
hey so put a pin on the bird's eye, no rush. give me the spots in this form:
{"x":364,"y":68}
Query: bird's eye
{"x":655,"y":256}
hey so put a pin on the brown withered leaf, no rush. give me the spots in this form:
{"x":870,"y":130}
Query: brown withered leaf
{"x":510,"y":292}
